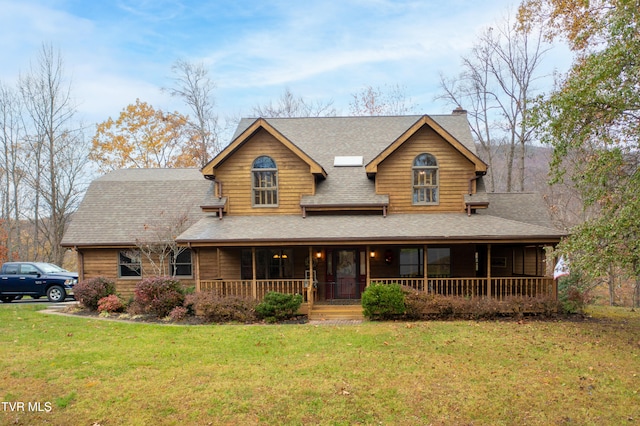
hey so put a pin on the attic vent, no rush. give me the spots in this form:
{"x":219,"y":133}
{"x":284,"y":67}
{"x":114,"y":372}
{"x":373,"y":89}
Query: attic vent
{"x":348,"y":161}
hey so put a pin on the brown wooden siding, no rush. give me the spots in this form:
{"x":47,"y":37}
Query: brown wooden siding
{"x":294,"y":177}
{"x":104,"y":263}
{"x":209,"y":269}
{"x":395,"y":176}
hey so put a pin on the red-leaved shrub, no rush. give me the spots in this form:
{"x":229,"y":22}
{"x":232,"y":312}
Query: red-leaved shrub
{"x":111,"y":303}
{"x":158,"y":295}
{"x":213,"y":308}
{"x":89,"y":292}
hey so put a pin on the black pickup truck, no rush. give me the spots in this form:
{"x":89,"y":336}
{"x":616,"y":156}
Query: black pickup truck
{"x":35,"y":279}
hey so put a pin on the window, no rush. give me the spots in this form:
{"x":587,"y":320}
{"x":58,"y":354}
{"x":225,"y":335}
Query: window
{"x":425,"y":179}
{"x":129,"y":263}
{"x":265,"y":182}
{"x":439,"y":262}
{"x":411,"y":260}
{"x":181,"y":264}
{"x":270,"y":263}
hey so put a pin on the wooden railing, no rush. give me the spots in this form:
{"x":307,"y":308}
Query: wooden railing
{"x":477,"y":287}
{"x":246,"y":288}
{"x":500,"y":288}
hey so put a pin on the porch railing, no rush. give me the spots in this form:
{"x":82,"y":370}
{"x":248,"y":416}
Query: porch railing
{"x":500,"y":288}
{"x":245,"y":288}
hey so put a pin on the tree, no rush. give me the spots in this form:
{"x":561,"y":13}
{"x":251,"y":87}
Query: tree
{"x":55,"y":154}
{"x":377,"y":101}
{"x":193,"y":85}
{"x":289,"y":105}
{"x":595,"y":112}
{"x":495,"y":87}
{"x":143,"y":137}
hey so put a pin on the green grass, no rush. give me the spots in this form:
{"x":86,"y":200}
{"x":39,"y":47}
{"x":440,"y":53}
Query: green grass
{"x":441,"y":373}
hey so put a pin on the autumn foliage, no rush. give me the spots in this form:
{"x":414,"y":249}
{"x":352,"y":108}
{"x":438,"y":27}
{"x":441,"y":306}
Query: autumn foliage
{"x":143,"y":137}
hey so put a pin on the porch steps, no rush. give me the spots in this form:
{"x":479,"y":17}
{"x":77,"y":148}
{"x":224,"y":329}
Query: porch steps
{"x":336,"y":312}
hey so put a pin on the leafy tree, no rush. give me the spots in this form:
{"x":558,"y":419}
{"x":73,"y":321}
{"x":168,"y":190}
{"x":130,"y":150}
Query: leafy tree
{"x":143,"y":137}
{"x":595,"y":112}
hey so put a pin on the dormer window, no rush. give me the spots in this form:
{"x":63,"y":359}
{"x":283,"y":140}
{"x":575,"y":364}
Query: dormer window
{"x":425,"y":180}
{"x":265,"y":182}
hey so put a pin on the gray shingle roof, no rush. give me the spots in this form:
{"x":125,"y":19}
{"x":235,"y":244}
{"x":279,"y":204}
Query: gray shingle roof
{"x":324,"y":138}
{"x":117,"y":206}
{"x":418,"y":227}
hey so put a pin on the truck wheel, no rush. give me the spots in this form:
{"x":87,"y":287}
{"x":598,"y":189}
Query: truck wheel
{"x":6,"y":299}
{"x":56,"y":294}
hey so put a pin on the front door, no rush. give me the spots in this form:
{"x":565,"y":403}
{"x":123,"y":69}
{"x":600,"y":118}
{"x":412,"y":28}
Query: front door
{"x":346,"y":274}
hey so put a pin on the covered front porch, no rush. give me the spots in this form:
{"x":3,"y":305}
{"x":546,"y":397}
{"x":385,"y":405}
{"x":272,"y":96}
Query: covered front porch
{"x":339,"y":274}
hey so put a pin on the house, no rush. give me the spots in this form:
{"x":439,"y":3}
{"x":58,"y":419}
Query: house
{"x":324,"y":207}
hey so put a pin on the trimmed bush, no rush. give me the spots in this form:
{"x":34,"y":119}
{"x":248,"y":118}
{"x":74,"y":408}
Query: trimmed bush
{"x":213,"y":308}
{"x":158,"y":295}
{"x":89,"y":292}
{"x":383,"y":301}
{"x":110,"y":304}
{"x":278,"y":306}
{"x":179,"y":313}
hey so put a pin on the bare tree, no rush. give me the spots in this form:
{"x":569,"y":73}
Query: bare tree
{"x":496,"y":85}
{"x":158,"y":243}
{"x":391,"y":100}
{"x":11,"y":172}
{"x":56,"y":151}
{"x":193,"y":85}
{"x":289,"y":105}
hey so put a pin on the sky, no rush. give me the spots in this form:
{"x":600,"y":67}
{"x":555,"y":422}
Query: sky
{"x":118,"y":51}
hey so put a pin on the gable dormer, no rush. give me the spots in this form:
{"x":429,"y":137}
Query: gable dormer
{"x":262,"y":172}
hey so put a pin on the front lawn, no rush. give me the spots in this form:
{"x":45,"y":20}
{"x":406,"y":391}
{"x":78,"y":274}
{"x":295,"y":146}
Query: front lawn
{"x":81,"y":371}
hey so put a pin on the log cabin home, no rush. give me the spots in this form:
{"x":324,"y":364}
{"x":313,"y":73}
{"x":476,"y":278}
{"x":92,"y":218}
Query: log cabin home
{"x":324,"y":207}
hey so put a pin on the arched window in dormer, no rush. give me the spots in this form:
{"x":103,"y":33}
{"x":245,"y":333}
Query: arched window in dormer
{"x":425,"y":180}
{"x":264,"y":181}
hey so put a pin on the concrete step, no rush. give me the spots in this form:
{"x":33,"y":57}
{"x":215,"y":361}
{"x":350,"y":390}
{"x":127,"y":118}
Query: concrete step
{"x":336,"y":312}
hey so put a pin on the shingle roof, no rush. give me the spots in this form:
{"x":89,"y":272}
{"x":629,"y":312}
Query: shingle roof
{"x":396,"y":227}
{"x":324,"y":138}
{"x":117,"y":206}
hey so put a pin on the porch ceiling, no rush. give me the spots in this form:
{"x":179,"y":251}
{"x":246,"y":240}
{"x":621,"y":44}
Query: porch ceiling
{"x":292,"y":229}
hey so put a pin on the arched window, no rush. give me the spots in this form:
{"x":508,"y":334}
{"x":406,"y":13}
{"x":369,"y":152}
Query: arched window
{"x":425,"y":179}
{"x":265,"y":181}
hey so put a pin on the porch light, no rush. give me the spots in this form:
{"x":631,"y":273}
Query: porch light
{"x":319,"y":254}
{"x":372,"y":254}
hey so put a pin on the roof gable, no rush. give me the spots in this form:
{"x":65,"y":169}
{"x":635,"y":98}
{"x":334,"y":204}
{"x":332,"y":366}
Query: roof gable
{"x":372,"y":167}
{"x":209,"y":170}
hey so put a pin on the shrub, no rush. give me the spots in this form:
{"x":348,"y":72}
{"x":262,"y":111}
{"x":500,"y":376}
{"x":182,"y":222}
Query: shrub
{"x":423,"y":306}
{"x":278,"y":306}
{"x":383,"y":301}
{"x":89,"y":292}
{"x":213,"y":308}
{"x":572,"y":294}
{"x":110,"y":304}
{"x":179,"y":313}
{"x":158,"y":295}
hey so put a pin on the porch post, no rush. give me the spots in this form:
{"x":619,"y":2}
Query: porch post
{"x":425,"y":259}
{"x":196,"y":272}
{"x":310,"y":283}
{"x":368,"y":265}
{"x":254,"y":282}
{"x":488,"y":270}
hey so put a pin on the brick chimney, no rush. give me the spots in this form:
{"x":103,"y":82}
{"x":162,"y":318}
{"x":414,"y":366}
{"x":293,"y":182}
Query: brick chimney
{"x":459,"y":111}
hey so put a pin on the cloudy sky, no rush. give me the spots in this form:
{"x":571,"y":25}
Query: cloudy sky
{"x":117,"y":51}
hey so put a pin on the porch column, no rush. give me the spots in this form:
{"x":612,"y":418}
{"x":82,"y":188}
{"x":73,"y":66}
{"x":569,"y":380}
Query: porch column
{"x":488,"y":270}
{"x":254,"y":282}
{"x":310,"y":283}
{"x":425,"y":259}
{"x":368,"y":265}
{"x":196,"y":272}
